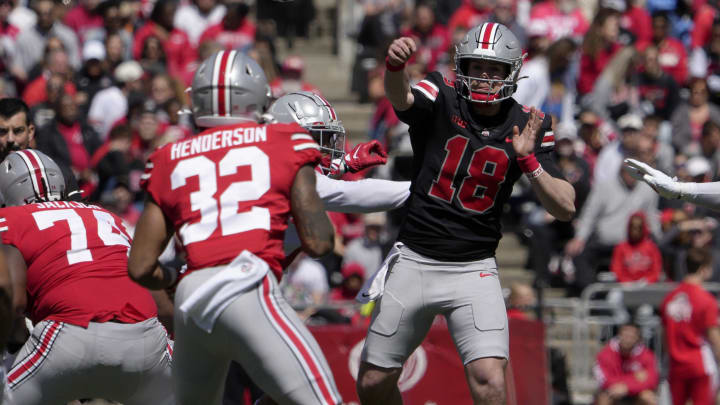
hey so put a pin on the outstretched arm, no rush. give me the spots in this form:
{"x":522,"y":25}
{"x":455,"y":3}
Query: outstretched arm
{"x":316,"y":233}
{"x":703,"y":194}
{"x":362,"y":196}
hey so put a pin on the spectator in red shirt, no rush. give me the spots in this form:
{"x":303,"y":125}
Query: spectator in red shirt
{"x":175,"y":43}
{"x":636,"y":20}
{"x":626,"y":370}
{"x":56,"y":63}
{"x":469,"y":15}
{"x":702,"y":26}
{"x":692,"y":334}
{"x":84,"y":16}
{"x":564,"y":18}
{"x":430,"y":37}
{"x":671,"y":52}
{"x":600,"y":45}
{"x":637,"y":258}
{"x":235,"y":31}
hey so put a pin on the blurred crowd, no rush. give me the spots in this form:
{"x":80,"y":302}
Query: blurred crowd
{"x":106,"y":83}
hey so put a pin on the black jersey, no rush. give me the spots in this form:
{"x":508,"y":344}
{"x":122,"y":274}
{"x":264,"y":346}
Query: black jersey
{"x":464,"y":169}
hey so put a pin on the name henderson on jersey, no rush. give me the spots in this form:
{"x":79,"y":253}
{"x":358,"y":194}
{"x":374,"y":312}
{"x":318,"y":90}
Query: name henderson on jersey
{"x":217,"y":140}
{"x":64,"y":204}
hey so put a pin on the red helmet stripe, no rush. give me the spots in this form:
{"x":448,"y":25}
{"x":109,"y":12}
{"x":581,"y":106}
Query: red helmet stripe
{"x":220,"y":83}
{"x":37,"y":172}
{"x":487,"y":35}
{"x":332,"y":110}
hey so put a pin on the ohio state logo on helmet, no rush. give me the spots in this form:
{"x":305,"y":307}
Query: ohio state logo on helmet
{"x":489,"y":42}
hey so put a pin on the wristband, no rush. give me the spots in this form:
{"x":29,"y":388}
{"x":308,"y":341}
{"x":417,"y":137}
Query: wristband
{"x":536,"y":173}
{"x":391,"y":67}
{"x":528,"y":164}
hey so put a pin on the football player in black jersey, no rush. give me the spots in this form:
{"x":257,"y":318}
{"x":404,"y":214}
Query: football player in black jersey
{"x":468,"y":152}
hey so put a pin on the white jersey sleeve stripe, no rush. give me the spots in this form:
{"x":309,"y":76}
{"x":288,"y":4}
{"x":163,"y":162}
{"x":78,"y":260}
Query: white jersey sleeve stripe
{"x":296,"y":137}
{"x":304,"y":146}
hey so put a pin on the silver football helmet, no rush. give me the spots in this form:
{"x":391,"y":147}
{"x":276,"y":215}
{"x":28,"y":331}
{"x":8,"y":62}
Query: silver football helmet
{"x":491,"y":42}
{"x":228,"y":87}
{"x":312,"y":112}
{"x":29,"y":176}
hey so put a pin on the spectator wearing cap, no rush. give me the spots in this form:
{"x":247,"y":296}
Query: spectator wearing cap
{"x":534,"y":89}
{"x":93,"y":76}
{"x":430,"y":37}
{"x":111,"y":105}
{"x":604,"y":217}
{"x":672,"y":56}
{"x":175,"y":43}
{"x":690,"y":116}
{"x":368,"y":250}
{"x":291,"y":78}
{"x":56,"y":64}
{"x":611,"y":156}
{"x":564,"y":18}
{"x":601,"y":43}
{"x":235,"y":31}
{"x":659,"y":93}
{"x":31,"y":41}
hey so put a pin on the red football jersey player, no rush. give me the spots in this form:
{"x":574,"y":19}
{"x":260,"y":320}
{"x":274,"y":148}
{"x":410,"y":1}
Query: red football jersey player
{"x":227,"y":189}
{"x":68,"y":262}
{"x":692,"y":333}
{"x":228,"y":193}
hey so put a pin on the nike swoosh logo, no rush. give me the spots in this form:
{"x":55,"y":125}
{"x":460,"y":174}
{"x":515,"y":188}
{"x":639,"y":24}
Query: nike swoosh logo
{"x":365,"y":294}
{"x":482,"y":275}
{"x":355,"y":154}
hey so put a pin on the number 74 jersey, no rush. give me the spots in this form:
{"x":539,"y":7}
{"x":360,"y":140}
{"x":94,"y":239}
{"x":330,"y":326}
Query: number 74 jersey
{"x":76,"y":256}
{"x":228,"y":189}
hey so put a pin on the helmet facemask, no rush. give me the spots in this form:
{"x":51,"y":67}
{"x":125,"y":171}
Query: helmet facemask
{"x":508,"y":85}
{"x":331,"y":138}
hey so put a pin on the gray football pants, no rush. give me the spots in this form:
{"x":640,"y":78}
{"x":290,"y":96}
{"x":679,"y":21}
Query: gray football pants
{"x":128,"y":363}
{"x":261,"y":332}
{"x":417,"y":289}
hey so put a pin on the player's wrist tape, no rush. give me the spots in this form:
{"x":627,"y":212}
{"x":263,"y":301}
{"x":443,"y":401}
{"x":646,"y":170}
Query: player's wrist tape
{"x":528,"y":164}
{"x":392,"y":67}
{"x":536,"y":173}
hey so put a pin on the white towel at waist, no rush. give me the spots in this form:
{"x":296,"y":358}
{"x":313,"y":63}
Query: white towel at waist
{"x":374,"y":286}
{"x":206,"y":303}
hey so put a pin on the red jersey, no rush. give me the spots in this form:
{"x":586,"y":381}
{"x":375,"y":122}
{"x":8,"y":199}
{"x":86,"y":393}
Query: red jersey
{"x":228,"y":189}
{"x":687,"y":313}
{"x":76,"y":256}
{"x":638,"y":370}
{"x":239,"y":38}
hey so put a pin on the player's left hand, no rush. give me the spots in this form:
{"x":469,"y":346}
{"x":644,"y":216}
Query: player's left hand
{"x":524,"y":142}
{"x":365,"y":155}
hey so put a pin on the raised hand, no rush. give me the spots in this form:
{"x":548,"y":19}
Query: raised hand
{"x":401,"y":50}
{"x":659,"y":181}
{"x":524,"y":142}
